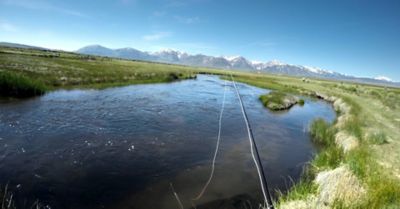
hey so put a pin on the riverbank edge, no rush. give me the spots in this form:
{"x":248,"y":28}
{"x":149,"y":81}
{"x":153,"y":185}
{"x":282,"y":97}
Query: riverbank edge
{"x":37,"y":87}
{"x":356,"y":180}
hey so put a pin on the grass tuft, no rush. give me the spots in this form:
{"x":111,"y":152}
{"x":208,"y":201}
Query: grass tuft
{"x":353,"y":127}
{"x":300,"y":190}
{"x":301,"y":102}
{"x":378,"y":138}
{"x":15,"y":85}
{"x":277,"y":100}
{"x":330,"y":157}
{"x":322,"y":132}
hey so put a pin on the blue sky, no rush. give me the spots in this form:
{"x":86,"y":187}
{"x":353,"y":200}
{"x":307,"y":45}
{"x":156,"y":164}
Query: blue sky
{"x":356,"y":37}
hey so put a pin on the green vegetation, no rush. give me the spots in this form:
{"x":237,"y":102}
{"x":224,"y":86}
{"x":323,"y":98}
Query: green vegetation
{"x":25,"y":69}
{"x":323,"y":134}
{"x":371,"y":108}
{"x":276,"y":100}
{"x":378,"y":138}
{"x":15,"y":85}
{"x":301,"y":102}
{"x":299,"y":190}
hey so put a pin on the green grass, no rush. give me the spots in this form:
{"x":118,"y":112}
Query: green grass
{"x":277,"y":100}
{"x":301,"y":102}
{"x":299,"y":190}
{"x":274,"y":96}
{"x":378,"y":138}
{"x":16,"y":85}
{"x":322,"y":132}
{"x":383,"y":189}
{"x":69,"y":70}
{"x":372,"y":108}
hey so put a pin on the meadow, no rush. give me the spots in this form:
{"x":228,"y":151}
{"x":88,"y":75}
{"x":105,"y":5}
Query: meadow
{"x":56,"y":69}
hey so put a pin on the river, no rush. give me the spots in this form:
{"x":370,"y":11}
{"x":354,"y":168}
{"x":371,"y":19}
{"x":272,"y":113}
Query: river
{"x":124,"y":147}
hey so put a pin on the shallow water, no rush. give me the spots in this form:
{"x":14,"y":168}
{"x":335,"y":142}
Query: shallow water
{"x":124,"y":147}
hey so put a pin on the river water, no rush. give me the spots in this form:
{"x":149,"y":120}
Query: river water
{"x":124,"y":147}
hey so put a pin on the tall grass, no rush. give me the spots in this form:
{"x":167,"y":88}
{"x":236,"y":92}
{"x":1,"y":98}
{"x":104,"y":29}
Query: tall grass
{"x":323,"y":133}
{"x":300,"y":190}
{"x":15,"y":85}
{"x":383,"y":190}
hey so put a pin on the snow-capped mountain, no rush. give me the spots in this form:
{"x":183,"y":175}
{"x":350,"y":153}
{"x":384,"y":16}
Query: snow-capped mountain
{"x":383,"y":78}
{"x":224,"y":62}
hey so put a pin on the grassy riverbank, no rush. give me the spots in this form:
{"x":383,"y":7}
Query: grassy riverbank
{"x":54,"y":69}
{"x":15,"y":85}
{"x":361,"y":150}
{"x":363,"y":143}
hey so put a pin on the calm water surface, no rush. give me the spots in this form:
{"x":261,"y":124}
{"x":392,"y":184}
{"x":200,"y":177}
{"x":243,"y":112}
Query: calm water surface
{"x":124,"y":147}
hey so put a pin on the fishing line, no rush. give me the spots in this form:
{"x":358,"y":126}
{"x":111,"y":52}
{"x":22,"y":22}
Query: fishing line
{"x":176,"y":196}
{"x":253,"y":148}
{"x":216,"y":148}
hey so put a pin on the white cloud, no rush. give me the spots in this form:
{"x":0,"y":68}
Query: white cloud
{"x":7,"y":27}
{"x":156,"y":36}
{"x":383,"y":78}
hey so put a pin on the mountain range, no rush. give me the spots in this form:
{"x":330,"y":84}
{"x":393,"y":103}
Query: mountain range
{"x":233,"y":63}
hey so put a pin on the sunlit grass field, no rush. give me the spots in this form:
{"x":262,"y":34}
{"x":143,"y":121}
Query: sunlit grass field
{"x":63,"y":69}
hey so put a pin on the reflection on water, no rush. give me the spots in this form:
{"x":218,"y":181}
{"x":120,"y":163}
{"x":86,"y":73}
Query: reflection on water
{"x":123,"y":147}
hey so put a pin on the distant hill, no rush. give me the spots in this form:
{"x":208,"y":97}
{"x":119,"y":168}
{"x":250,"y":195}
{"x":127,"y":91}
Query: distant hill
{"x":234,"y":63}
{"x":7,"y":44}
